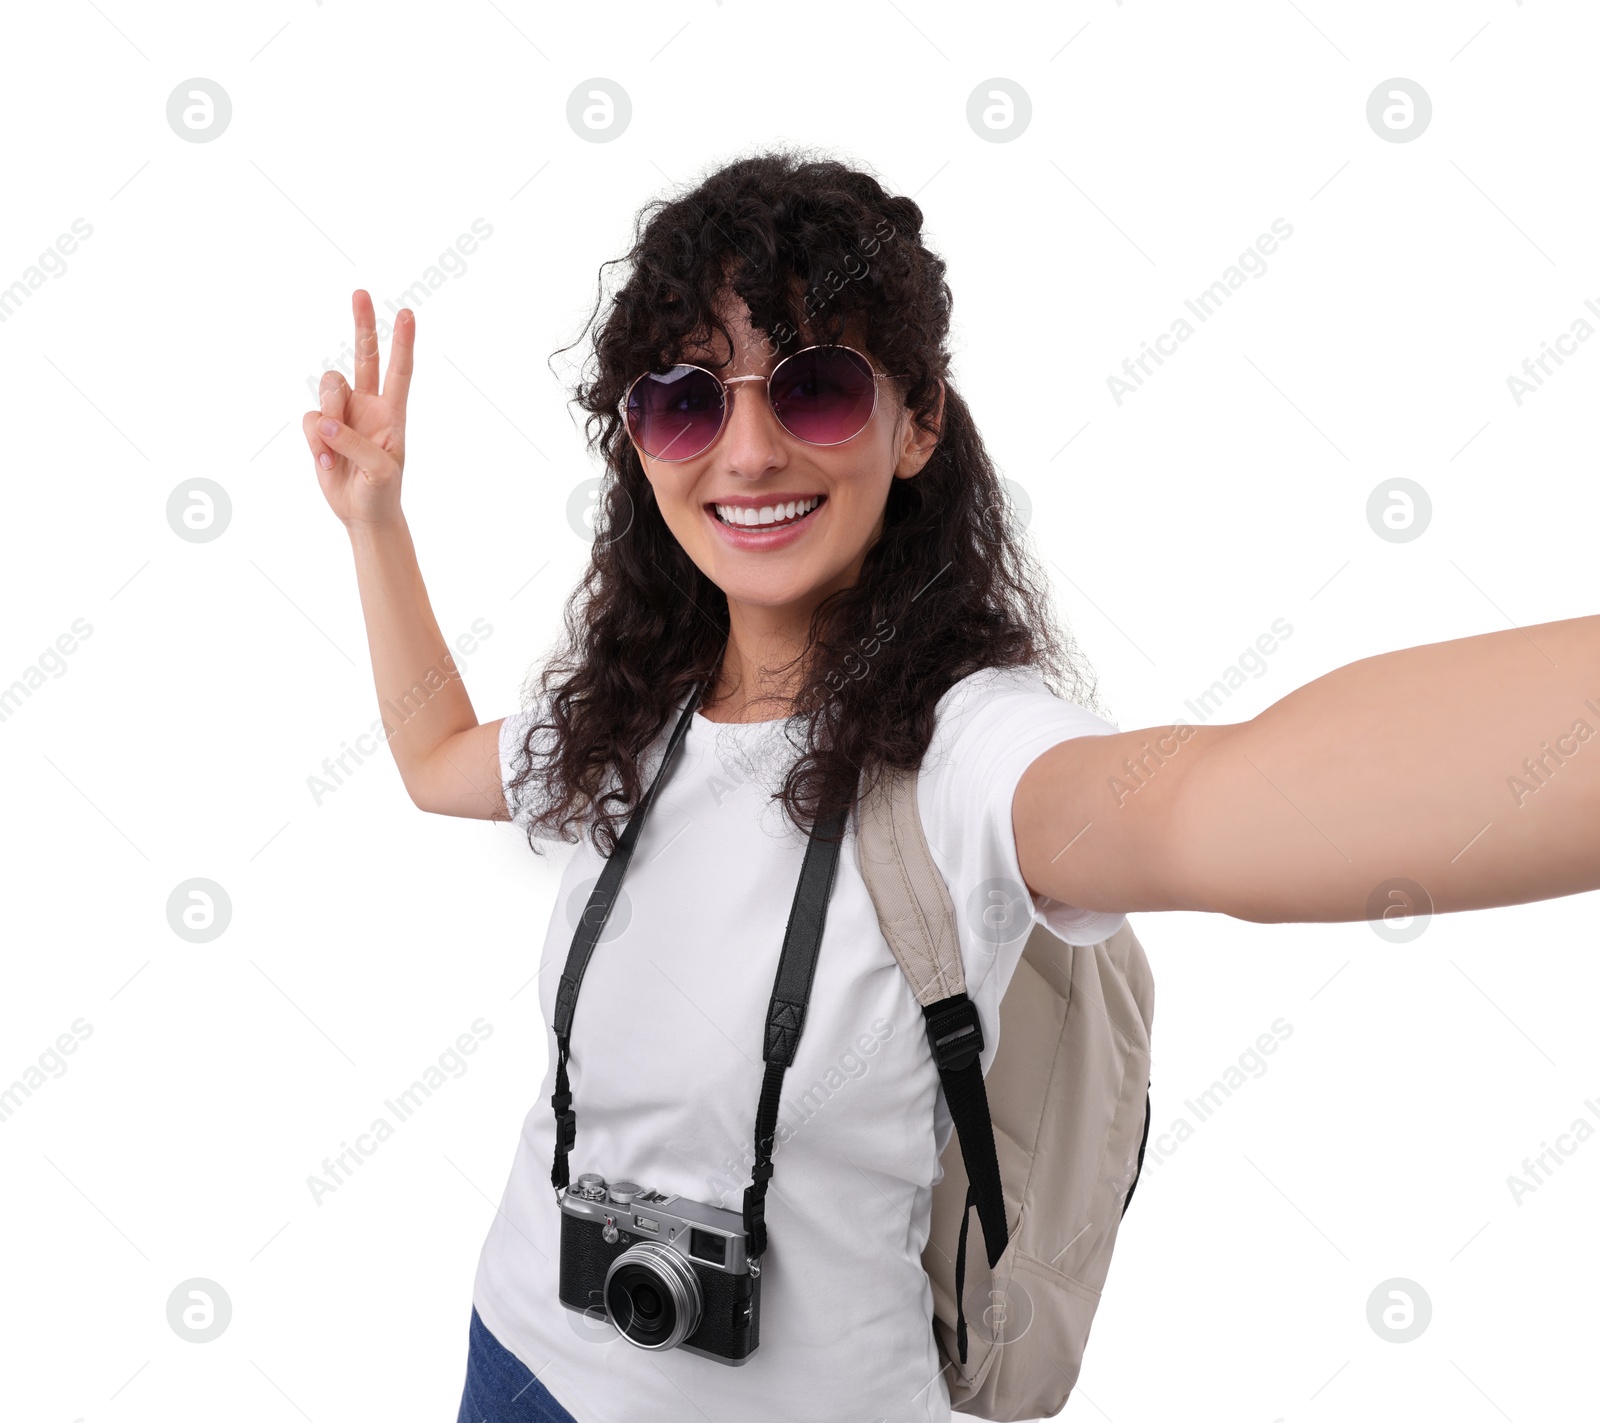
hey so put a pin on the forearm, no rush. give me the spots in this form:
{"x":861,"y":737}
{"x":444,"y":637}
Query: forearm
{"x":421,"y":696}
{"x":1471,"y":767}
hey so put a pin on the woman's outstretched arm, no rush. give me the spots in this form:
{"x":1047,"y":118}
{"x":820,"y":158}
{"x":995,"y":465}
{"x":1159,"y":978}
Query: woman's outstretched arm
{"x":1469,"y":767}
{"x":448,"y":762}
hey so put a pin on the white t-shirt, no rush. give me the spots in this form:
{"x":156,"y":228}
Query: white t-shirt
{"x":666,"y":1071}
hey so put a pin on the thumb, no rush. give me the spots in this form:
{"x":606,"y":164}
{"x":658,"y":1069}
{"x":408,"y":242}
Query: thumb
{"x":333,"y":395}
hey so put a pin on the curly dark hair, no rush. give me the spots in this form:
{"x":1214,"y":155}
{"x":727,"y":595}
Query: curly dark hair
{"x":807,"y":243}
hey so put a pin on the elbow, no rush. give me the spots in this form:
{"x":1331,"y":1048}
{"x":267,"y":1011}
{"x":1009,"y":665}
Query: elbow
{"x":424,"y":790}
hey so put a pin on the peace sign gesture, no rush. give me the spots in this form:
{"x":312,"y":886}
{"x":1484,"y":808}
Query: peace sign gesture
{"x":359,"y":456}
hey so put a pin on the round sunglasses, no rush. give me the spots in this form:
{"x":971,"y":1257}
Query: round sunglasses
{"x":823,"y":395}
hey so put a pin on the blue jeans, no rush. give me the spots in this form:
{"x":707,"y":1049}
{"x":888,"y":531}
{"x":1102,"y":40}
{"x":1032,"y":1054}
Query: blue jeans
{"x":500,"y":1388}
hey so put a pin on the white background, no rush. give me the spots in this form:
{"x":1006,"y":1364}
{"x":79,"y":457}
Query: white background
{"x":1229,"y":491}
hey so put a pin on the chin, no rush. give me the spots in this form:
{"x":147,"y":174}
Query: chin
{"x":766,"y":593}
{"x":773,"y":588}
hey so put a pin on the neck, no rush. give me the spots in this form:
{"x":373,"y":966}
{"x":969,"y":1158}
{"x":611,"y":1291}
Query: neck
{"x":763,"y":665}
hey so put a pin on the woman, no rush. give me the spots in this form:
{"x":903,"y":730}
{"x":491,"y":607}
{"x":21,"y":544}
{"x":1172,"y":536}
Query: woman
{"x":801,"y":536}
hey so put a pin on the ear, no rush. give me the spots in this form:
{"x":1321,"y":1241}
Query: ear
{"x":916,"y":444}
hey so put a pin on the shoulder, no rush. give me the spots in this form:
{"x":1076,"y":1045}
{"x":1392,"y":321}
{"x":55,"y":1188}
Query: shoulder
{"x":1002,"y":713}
{"x":990,"y":728}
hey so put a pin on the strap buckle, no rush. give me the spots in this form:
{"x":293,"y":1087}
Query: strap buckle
{"x":566,"y":1130}
{"x":954,"y":1032}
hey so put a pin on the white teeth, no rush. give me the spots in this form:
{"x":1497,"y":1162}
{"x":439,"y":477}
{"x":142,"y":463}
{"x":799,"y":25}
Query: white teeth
{"x":767,"y":514}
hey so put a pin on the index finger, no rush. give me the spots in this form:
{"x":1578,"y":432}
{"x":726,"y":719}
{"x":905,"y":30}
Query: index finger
{"x":366,"y":344}
{"x":397,"y":383}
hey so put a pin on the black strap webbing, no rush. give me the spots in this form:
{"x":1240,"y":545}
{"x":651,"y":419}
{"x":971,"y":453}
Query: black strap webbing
{"x":956,"y":1038}
{"x":590,"y":925}
{"x":961,"y":1277}
{"x":786,"y":1013}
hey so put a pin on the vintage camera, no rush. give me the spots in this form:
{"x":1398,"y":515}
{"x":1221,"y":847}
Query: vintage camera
{"x":668,"y":1272}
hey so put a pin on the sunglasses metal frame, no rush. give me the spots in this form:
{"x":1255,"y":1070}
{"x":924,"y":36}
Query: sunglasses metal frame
{"x":766,"y":382}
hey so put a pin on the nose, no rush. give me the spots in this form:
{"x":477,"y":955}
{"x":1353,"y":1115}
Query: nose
{"x":752,"y":440}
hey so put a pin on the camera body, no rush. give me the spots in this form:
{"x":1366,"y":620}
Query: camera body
{"x":667,"y":1272}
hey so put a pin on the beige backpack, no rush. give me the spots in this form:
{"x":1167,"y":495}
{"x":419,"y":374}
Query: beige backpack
{"x":1047,"y":1149}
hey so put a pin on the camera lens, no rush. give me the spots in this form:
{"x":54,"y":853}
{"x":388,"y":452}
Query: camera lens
{"x":646,"y":1304}
{"x":652,"y":1296}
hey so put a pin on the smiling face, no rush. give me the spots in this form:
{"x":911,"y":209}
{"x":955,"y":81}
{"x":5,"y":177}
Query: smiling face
{"x":774,"y":522}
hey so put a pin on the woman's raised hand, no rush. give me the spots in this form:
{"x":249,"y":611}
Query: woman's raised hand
{"x":359,"y":457}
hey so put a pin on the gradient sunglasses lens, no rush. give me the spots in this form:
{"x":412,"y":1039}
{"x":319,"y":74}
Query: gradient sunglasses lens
{"x":675,"y":415}
{"x":825,"y":395}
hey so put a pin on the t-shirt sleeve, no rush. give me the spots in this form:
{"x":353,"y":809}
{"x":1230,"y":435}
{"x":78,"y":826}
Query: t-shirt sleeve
{"x":522,"y":802}
{"x":991,"y":727}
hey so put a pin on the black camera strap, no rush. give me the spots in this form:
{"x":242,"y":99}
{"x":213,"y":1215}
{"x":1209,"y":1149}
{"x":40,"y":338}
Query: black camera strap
{"x":786,"y":1013}
{"x":791,"y":989}
{"x":590,"y":926}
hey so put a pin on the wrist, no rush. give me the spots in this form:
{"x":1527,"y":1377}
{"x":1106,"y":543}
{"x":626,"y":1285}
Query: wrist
{"x":371,"y":533}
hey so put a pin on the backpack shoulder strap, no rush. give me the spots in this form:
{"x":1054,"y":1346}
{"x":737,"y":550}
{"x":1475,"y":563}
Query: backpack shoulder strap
{"x":918,"y":920}
{"x":909,"y":893}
